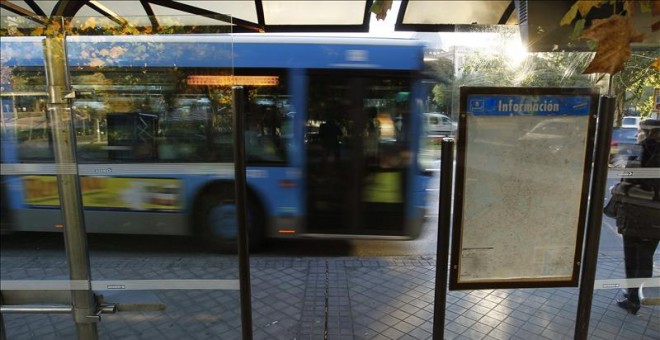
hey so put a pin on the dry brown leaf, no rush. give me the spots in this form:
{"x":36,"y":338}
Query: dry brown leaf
{"x":656,"y":64}
{"x":380,"y":8}
{"x":584,"y":6}
{"x":614,"y":36}
{"x":629,"y":7}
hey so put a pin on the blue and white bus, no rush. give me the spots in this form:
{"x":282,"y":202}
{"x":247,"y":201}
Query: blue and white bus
{"x":333,"y":132}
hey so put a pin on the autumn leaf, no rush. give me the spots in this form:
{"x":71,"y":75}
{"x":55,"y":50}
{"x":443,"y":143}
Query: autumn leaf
{"x":614,"y":36}
{"x":630,"y":8}
{"x":569,"y":16}
{"x":90,"y":23}
{"x":380,"y":8}
{"x":53,"y":29}
{"x":39,"y":30}
{"x":578,"y":28}
{"x":656,"y":64}
{"x":581,"y":6}
{"x":647,"y":6}
{"x":584,"y":6}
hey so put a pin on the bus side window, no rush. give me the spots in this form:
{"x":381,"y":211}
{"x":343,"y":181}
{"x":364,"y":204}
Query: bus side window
{"x":267,"y":130}
{"x":132,"y":137}
{"x":31,"y":129}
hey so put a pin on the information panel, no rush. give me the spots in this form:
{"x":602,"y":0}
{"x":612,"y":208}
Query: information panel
{"x":522,"y":177}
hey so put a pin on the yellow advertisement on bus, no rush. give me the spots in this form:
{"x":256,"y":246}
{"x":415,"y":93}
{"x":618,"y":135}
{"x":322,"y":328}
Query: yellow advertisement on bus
{"x":109,"y":192}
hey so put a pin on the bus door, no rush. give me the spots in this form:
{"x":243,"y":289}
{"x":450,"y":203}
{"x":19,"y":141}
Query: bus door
{"x":355,"y":141}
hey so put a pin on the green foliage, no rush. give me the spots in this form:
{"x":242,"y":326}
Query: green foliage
{"x":441,"y":100}
{"x":633,"y":86}
{"x":637,"y":81}
{"x":551,"y":69}
{"x":442,"y":70}
{"x":645,"y":107}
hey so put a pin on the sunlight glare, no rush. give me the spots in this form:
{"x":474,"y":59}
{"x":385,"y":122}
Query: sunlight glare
{"x":515,"y":52}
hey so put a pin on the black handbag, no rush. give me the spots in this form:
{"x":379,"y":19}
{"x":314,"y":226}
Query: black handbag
{"x":611,"y":207}
{"x":614,"y":203}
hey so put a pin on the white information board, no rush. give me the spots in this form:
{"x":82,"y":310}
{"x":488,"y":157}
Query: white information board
{"x":523,"y":165}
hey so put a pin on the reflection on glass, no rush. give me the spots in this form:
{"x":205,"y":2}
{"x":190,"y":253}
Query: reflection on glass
{"x":521,"y":172}
{"x":635,"y":206}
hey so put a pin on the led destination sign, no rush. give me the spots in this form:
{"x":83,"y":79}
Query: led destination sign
{"x":521,"y":105}
{"x":233,"y":80}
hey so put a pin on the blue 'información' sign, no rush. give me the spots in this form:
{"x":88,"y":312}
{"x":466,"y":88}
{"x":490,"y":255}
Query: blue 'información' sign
{"x":528,"y":105}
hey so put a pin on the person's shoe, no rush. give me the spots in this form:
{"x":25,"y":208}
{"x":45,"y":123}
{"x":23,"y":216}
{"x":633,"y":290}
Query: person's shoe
{"x":628,"y":305}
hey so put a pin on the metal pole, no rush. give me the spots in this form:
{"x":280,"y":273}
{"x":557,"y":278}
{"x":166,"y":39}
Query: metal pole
{"x":49,"y":309}
{"x":68,"y":182}
{"x":241,"y":197}
{"x":41,"y":309}
{"x":595,"y":215}
{"x":444,"y":226}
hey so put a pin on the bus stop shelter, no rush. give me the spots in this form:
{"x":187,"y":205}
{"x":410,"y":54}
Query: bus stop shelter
{"x":538,"y":23}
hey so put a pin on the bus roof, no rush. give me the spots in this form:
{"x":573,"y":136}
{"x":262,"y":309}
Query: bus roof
{"x":247,"y":50}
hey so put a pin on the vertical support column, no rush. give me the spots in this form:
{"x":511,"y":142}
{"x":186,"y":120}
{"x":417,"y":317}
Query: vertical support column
{"x":241,"y":214}
{"x":64,"y":140}
{"x":3,"y":335}
{"x":444,"y":225}
{"x":595,"y":215}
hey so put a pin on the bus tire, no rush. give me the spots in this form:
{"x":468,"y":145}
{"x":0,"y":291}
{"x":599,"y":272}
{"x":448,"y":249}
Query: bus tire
{"x":215,"y":219}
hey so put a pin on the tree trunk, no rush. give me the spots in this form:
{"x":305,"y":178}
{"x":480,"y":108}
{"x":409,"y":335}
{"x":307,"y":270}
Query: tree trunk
{"x":97,"y":129}
{"x":620,"y":105}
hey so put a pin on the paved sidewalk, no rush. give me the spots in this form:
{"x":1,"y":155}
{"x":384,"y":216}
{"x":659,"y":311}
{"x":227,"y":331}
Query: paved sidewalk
{"x":329,"y":298}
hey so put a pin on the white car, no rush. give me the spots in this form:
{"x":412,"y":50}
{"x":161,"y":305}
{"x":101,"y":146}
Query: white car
{"x":439,"y":124}
{"x":554,"y":134}
{"x":630,"y":122}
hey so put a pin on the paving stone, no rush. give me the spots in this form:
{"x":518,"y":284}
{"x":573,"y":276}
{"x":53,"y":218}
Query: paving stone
{"x":347,"y":298}
{"x":499,"y":334}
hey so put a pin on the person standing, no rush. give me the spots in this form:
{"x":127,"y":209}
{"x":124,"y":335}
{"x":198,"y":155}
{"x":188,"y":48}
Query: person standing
{"x":639,"y":221}
{"x":372,"y":136}
{"x":330,"y":134}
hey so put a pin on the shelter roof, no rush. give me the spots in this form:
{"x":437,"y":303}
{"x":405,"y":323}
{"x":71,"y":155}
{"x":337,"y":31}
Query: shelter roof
{"x":538,"y":21}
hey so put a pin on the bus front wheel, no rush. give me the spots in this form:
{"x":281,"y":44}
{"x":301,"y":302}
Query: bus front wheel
{"x":216,"y":219}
